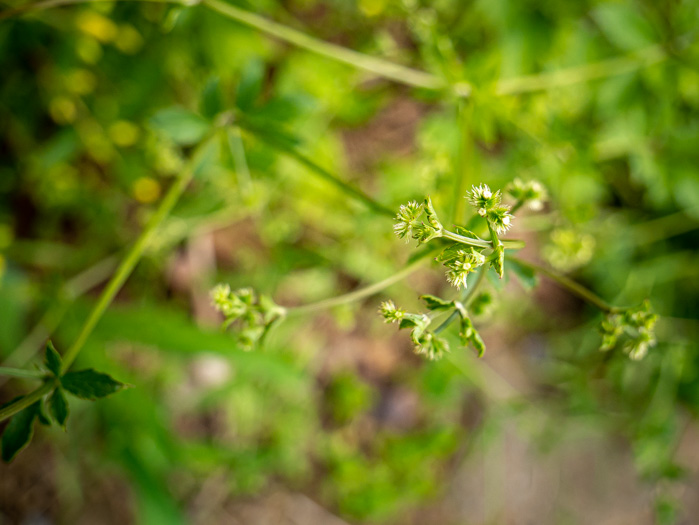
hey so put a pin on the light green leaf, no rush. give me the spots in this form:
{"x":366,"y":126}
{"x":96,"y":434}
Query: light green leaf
{"x":435,"y":303}
{"x":180,"y":125}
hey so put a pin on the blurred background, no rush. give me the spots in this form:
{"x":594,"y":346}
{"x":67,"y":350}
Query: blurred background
{"x":335,"y":420}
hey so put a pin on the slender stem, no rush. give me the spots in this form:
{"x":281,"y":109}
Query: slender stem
{"x":398,"y":73}
{"x":27,"y":400}
{"x":512,"y":245}
{"x":466,"y":298}
{"x":74,"y":288}
{"x":315,"y":168}
{"x":378,"y":66}
{"x":570,"y":285}
{"x":585,"y":73}
{"x":516,"y":206}
{"x":465,"y":240}
{"x":357,"y":294}
{"x":20,"y":372}
{"x":128,"y":264}
{"x":235,"y":143}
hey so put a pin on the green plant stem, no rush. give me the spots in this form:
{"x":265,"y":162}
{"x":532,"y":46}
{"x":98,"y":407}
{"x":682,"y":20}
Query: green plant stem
{"x":357,"y":295}
{"x":398,"y":73}
{"x":511,"y":245}
{"x":466,"y":298}
{"x":377,"y":66}
{"x":20,"y":372}
{"x":75,"y":287}
{"x":516,"y":206}
{"x":570,"y":285}
{"x":128,"y":264}
{"x":585,"y":73}
{"x":27,"y":400}
{"x":321,"y":172}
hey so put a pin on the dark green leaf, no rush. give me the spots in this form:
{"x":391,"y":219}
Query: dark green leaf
{"x":58,"y":406}
{"x":211,"y":103}
{"x":53,"y":359}
{"x":180,"y":125}
{"x":89,"y":384}
{"x":435,"y":303}
{"x":19,"y":432}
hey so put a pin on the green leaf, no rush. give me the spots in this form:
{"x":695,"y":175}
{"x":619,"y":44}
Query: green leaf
{"x":527,"y":276}
{"x":435,"y":303}
{"x":465,"y":233}
{"x":180,"y":125}
{"x":53,"y":359}
{"x":19,"y":432}
{"x":58,"y":406}
{"x":624,"y":25}
{"x":250,"y":85}
{"x":90,"y":384}
{"x":211,"y":103}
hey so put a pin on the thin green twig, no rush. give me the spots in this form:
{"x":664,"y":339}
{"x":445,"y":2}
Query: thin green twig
{"x":570,"y":285}
{"x":360,"y":294}
{"x":20,"y":372}
{"x":318,"y":170}
{"x":128,"y":264}
{"x":465,"y":299}
{"x":26,"y":401}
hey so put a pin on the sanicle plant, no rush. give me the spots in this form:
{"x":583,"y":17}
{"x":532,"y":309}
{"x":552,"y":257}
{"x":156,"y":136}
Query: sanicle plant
{"x":462,"y":253}
{"x":466,"y":256}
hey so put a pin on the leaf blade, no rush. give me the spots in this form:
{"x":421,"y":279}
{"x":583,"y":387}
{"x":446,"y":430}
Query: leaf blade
{"x":90,"y":384}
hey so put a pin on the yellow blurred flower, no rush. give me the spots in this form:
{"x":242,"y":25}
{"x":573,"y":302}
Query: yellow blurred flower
{"x":146,"y":190}
{"x":124,"y":133}
{"x":97,"y":26}
{"x":128,"y":40}
{"x":62,"y":110}
{"x":80,"y":81}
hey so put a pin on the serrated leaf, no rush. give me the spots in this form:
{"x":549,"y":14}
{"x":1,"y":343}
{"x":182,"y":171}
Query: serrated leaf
{"x":211,"y":102}
{"x":58,"y":407}
{"x":90,"y":384}
{"x":435,"y":303}
{"x":19,"y":431}
{"x":180,"y":125}
{"x":411,"y":320}
{"x":53,"y":359}
{"x":464,"y":232}
{"x":450,"y":252}
{"x":526,"y":276}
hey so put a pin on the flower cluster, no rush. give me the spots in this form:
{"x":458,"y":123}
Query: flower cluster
{"x":532,"y":193}
{"x":408,"y":224}
{"x":636,"y":325}
{"x":425,"y":341}
{"x":428,"y":342}
{"x":252,"y":315}
{"x":488,"y":205}
{"x":460,"y":261}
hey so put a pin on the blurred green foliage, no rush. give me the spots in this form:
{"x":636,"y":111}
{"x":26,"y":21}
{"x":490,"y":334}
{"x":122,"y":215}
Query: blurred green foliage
{"x":101,"y":104}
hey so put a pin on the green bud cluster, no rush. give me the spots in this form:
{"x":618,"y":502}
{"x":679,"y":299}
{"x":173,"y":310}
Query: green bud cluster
{"x":253,"y":315}
{"x":425,"y":341}
{"x":408,"y":224}
{"x":488,"y":205}
{"x":532,"y":193}
{"x":635,"y":325}
{"x":460,"y":261}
